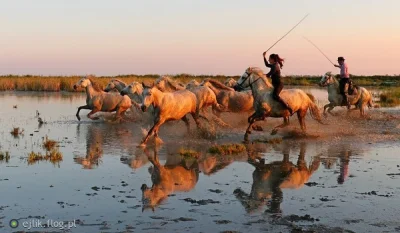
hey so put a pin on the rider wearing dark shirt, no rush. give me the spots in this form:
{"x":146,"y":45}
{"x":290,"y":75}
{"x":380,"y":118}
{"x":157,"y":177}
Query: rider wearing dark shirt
{"x":275,"y":74}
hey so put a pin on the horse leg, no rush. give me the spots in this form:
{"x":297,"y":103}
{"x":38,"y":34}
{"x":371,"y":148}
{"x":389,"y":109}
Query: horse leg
{"x":301,"y":116}
{"x":285,"y":123}
{"x":252,"y":119}
{"x":79,"y":109}
{"x":186,"y":120}
{"x":157,"y":123}
{"x":93,"y":112}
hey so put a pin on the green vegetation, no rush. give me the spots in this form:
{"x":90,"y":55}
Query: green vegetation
{"x":227,"y":149}
{"x":49,"y":144}
{"x":188,"y":153}
{"x":4,"y":156}
{"x":65,"y":83}
{"x":270,"y":141}
{"x":54,"y":156}
{"x":16,"y":131}
{"x":390,"y":98}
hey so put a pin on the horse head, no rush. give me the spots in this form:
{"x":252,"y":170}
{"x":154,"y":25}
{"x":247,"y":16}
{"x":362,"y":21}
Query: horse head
{"x":148,"y":95}
{"x":110,"y":86}
{"x":133,"y":88}
{"x":326,"y":79}
{"x":193,"y":83}
{"x":230,"y":82}
{"x":83,"y":82}
{"x":250,"y":77}
{"x":152,"y":197}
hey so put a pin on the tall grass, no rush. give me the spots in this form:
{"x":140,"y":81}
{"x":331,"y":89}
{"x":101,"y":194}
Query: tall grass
{"x":390,"y":98}
{"x":66,"y":83}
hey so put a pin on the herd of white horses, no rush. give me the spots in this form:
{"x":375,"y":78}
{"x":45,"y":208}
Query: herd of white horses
{"x":168,"y":100}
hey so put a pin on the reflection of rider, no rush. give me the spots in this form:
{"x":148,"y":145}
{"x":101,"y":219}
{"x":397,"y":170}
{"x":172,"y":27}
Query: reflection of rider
{"x":344,"y":167}
{"x":344,"y":79}
{"x":276,"y":64}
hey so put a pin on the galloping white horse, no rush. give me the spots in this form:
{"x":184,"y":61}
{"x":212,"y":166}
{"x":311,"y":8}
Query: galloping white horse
{"x":266,"y":106}
{"x":361,"y":99}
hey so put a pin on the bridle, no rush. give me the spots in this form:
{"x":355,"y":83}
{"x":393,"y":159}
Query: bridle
{"x":244,"y":80}
{"x":325,"y":82}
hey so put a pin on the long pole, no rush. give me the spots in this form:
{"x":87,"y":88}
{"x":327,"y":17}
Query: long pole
{"x":318,"y":49}
{"x":287,"y":33}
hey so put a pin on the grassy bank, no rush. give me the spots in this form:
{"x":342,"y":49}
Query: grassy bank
{"x":390,"y":98}
{"x":65,"y":83}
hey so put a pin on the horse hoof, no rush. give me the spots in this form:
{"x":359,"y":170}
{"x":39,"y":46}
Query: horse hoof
{"x":141,"y":145}
{"x":274,"y":131}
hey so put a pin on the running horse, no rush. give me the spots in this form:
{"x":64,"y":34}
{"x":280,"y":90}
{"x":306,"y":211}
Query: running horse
{"x":360,"y":97}
{"x":266,"y":106}
{"x":99,"y":101}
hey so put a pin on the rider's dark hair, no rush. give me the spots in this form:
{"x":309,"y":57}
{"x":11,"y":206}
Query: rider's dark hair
{"x":276,"y":58}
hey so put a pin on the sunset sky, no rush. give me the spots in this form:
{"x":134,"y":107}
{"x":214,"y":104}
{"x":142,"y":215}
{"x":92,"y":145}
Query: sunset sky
{"x":66,"y":37}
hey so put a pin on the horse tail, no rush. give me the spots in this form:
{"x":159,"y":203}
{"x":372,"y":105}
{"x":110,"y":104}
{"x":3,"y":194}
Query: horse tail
{"x":370,"y":102}
{"x":314,"y":111}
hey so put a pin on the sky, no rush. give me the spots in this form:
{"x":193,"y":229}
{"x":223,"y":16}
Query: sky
{"x":75,"y":37}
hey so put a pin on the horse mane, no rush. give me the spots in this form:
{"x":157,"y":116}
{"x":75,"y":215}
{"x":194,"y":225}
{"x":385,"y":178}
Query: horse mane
{"x":96,"y":86}
{"x":260,"y":73}
{"x":172,"y":83}
{"x":218,"y":84}
{"x":118,"y":80}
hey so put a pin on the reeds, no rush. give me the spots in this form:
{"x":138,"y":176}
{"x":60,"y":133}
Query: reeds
{"x":227,"y":149}
{"x":390,"y":98}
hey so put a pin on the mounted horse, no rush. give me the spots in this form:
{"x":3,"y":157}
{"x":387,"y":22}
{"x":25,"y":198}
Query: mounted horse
{"x":358,"y":96}
{"x":97,"y":100}
{"x":265,"y":105}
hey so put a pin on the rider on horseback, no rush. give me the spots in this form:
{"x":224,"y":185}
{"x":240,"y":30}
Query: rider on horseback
{"x":276,"y":64}
{"x":344,"y":80}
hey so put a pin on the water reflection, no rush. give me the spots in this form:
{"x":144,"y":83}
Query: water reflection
{"x":167,"y":179}
{"x":94,"y":147}
{"x":270,"y":178}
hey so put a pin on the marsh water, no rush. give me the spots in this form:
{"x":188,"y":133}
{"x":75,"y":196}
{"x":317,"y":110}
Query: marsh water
{"x":329,"y":185}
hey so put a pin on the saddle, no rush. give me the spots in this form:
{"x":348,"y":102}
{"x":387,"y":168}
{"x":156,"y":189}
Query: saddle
{"x":351,"y":88}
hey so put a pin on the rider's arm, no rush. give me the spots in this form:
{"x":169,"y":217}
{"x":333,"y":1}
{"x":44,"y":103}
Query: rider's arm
{"x":336,"y":65}
{"x":267,"y":64}
{"x":272,"y":71}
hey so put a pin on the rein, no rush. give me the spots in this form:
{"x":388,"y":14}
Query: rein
{"x":251,"y":84}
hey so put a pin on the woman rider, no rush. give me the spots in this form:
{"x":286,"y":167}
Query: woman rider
{"x":276,"y":64}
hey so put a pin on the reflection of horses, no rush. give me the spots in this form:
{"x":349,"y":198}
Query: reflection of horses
{"x":229,"y":99}
{"x":166,"y":180}
{"x":266,"y":106}
{"x":169,"y":106}
{"x":97,"y":100}
{"x":269,"y":180}
{"x":94,"y":147}
{"x":166,"y":84}
{"x":361,"y":98}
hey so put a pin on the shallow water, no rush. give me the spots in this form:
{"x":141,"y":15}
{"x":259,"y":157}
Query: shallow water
{"x":97,"y":185}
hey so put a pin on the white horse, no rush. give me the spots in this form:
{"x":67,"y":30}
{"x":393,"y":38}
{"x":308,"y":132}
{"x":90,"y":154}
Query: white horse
{"x":266,"y":106}
{"x":360,"y":99}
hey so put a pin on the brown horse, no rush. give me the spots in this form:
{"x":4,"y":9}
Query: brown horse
{"x":167,"y":180}
{"x":228,"y":98}
{"x":97,"y":100}
{"x":205,"y":97}
{"x":167,"y":84}
{"x":167,"y":107}
{"x":269,"y":180}
{"x":266,"y":106}
{"x":115,"y":84}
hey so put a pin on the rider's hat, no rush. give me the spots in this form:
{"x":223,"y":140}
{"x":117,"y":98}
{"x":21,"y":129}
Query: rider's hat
{"x":340,"y":58}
